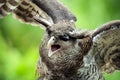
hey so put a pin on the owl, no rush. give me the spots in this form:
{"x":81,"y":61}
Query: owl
{"x":67,"y":53}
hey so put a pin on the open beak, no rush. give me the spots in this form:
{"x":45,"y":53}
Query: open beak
{"x":52,"y":46}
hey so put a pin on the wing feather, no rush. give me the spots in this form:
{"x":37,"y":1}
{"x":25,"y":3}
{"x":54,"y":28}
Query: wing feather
{"x":106,"y":46}
{"x":28,"y":11}
{"x":7,"y":6}
{"x":25,"y":11}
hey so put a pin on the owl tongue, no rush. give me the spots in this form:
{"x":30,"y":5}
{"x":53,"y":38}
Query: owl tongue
{"x":55,"y":47}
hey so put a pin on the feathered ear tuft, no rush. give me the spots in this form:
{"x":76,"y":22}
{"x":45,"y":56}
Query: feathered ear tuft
{"x":43,"y":21}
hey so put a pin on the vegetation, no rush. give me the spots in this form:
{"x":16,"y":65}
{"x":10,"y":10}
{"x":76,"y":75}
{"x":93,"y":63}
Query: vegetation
{"x":19,"y":43}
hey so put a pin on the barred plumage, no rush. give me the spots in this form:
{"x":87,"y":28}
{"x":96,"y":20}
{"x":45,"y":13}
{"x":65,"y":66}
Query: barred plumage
{"x":107,"y":46}
{"x":90,"y":70}
{"x":2,"y":2}
{"x":7,"y":6}
{"x":65,"y":53}
{"x":23,"y":10}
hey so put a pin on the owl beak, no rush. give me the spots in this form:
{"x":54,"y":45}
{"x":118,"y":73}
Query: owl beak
{"x":52,"y":46}
{"x":50,"y":42}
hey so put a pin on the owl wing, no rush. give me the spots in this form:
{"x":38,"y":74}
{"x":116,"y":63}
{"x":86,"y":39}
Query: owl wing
{"x":25,"y":11}
{"x":106,"y":46}
{"x":45,"y":12}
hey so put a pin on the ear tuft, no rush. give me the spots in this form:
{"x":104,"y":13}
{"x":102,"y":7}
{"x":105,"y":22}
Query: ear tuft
{"x":43,"y":21}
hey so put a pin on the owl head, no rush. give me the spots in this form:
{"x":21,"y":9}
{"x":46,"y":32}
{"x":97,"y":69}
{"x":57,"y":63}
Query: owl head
{"x":63,"y":46}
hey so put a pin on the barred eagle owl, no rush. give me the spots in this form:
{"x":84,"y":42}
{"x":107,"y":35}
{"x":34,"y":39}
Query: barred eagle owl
{"x":67,"y":53}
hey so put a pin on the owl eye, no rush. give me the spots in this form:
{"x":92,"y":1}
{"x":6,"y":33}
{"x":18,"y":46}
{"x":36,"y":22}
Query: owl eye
{"x":48,"y":31}
{"x":64,"y":37}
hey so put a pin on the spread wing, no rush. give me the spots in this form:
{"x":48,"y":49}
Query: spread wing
{"x":106,"y":46}
{"x":45,"y":12}
{"x":25,"y":11}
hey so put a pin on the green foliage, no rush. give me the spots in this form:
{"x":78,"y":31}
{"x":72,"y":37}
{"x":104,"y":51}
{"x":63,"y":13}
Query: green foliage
{"x":19,"y":43}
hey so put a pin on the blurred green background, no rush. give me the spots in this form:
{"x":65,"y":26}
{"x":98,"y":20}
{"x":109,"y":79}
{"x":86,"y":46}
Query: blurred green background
{"x":19,"y":43}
